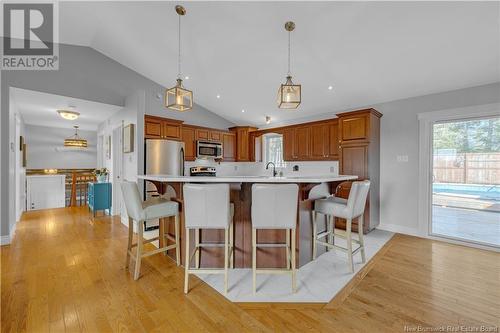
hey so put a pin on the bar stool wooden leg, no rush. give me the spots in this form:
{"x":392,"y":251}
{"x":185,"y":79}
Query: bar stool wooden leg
{"x":139,"y":251}
{"x":254,"y":260}
{"x":287,"y":236}
{"x":294,"y":271}
{"x":130,"y":238}
{"x":332,"y":230}
{"x":197,"y":247}
{"x":315,"y":234}
{"x":226,"y":257}
{"x":361,"y":237}
{"x":349,"y":244}
{"x":177,"y":241}
{"x":186,"y":264}
{"x":231,"y":244}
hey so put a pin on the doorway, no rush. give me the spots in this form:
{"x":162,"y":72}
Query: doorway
{"x":117,"y":169}
{"x":465,"y":180}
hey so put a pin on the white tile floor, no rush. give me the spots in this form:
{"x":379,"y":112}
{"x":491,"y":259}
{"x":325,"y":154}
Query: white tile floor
{"x":467,"y":224}
{"x":318,"y":281}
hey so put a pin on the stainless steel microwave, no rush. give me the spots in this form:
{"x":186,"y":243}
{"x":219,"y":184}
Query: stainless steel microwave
{"x":207,"y":149}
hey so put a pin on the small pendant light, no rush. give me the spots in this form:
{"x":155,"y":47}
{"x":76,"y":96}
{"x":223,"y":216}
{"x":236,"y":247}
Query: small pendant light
{"x":178,"y":98}
{"x":289,"y":94}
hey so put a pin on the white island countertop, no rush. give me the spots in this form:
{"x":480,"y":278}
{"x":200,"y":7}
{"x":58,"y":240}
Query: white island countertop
{"x":248,"y":179}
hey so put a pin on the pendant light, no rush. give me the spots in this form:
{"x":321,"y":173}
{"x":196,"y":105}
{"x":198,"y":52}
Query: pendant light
{"x":75,"y":140}
{"x":178,"y":98}
{"x":289,"y":94}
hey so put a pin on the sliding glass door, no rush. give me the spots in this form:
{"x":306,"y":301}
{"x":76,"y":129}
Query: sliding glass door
{"x":466,"y":180}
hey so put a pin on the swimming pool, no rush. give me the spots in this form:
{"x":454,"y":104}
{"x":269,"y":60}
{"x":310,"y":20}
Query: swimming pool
{"x":489,"y":192}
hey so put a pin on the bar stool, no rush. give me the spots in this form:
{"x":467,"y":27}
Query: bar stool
{"x":206,"y":206}
{"x":274,"y":206}
{"x":348,"y":209}
{"x":151,"y":209}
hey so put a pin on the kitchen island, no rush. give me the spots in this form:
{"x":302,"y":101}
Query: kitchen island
{"x":310,"y":188}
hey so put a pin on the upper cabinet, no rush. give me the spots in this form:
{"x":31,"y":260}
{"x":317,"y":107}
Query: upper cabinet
{"x":243,"y":149}
{"x":162,"y":128}
{"x":358,"y":125}
{"x":189,"y":139}
{"x":320,"y":141}
{"x":228,"y":146}
{"x":334,"y":146}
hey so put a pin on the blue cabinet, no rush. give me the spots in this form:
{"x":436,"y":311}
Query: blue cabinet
{"x":99,"y":197}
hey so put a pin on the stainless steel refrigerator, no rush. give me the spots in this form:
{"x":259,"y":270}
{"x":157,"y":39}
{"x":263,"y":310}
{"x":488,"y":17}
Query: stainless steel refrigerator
{"x":163,"y":157}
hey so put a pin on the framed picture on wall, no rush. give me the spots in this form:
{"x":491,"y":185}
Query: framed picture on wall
{"x":108,"y":147}
{"x":128,"y":138}
{"x":25,"y":157}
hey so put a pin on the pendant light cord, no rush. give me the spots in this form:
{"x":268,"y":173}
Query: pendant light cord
{"x":179,"y":55}
{"x":289,"y":53}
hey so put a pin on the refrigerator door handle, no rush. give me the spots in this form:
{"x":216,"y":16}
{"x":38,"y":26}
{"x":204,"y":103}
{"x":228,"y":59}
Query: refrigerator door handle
{"x":182,"y":162}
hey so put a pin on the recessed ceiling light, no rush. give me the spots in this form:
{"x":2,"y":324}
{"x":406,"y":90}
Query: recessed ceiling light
{"x":268,"y":119}
{"x":218,"y":96}
{"x":330,"y":87}
{"x":186,"y":77}
{"x":68,"y":115}
{"x":243,"y":111}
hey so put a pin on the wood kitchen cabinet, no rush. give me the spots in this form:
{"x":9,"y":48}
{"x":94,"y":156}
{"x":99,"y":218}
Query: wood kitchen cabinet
{"x":359,"y":154}
{"x":228,"y":146}
{"x":202,"y":134}
{"x":334,"y":146}
{"x":216,"y":136}
{"x":162,"y":128}
{"x":289,"y":144}
{"x":242,"y":134}
{"x":189,"y":139}
{"x":320,"y":141}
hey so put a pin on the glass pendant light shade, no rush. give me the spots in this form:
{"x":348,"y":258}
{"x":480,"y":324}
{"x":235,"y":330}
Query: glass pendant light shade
{"x":178,"y":98}
{"x":289,"y":95}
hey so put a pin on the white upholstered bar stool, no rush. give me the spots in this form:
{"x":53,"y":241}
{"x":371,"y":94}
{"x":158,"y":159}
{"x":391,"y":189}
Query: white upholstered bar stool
{"x":274,"y":206}
{"x":207,"y":206}
{"x":348,"y":209}
{"x":140,"y":211}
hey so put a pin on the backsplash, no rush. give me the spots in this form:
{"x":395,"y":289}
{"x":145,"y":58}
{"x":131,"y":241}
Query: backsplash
{"x":258,"y":168}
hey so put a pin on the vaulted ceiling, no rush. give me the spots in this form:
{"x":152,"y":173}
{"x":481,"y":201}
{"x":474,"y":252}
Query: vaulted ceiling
{"x":369,"y":52}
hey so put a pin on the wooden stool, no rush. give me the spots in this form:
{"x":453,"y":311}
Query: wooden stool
{"x":348,"y":209}
{"x":206,"y":206}
{"x":152,"y":209}
{"x":274,"y":206}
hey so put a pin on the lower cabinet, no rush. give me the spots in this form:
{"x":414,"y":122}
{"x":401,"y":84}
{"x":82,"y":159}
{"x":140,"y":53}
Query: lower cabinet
{"x":99,"y":197}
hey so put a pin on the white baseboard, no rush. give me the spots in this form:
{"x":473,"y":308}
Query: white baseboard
{"x":5,"y":240}
{"x":400,"y":229}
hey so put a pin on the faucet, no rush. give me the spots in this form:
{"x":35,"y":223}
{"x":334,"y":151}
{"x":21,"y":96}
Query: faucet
{"x":274,"y":168}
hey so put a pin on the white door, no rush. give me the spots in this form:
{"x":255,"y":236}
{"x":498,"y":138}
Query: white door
{"x":45,"y":192}
{"x":117,"y":173}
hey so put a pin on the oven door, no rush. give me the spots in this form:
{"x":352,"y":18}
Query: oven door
{"x":208,"y":149}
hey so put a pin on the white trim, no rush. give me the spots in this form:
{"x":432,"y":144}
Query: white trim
{"x":426,"y":121}
{"x":5,"y":240}
{"x":399,"y":229}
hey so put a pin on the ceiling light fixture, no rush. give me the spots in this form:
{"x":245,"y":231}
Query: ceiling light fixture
{"x":75,"y":140}
{"x":68,"y":115}
{"x":186,"y":77}
{"x":242,"y":111}
{"x":178,"y":98}
{"x":330,"y":87}
{"x":268,"y":119}
{"x":218,"y":96}
{"x":289,"y":94}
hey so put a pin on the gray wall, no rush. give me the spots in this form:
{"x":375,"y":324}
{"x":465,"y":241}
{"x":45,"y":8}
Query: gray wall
{"x":87,"y":74}
{"x":44,"y":148}
{"x":399,"y":136}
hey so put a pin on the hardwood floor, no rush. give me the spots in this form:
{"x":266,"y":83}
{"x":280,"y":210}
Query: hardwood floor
{"x":65,"y":272}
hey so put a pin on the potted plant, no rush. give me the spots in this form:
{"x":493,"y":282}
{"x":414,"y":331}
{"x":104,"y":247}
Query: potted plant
{"x":101,"y":175}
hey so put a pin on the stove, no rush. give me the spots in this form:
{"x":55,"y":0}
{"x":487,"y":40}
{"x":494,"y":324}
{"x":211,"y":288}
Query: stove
{"x":202,"y":171}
